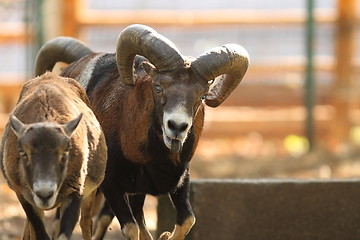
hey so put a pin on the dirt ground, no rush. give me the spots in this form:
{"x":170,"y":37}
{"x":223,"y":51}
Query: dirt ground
{"x":216,"y":159}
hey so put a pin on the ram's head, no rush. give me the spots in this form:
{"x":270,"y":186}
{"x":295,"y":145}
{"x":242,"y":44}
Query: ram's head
{"x":180,"y":84}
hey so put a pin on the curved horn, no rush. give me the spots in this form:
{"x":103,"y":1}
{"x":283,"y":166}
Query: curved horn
{"x":232,"y":60}
{"x":59,"y":49}
{"x":144,"y":41}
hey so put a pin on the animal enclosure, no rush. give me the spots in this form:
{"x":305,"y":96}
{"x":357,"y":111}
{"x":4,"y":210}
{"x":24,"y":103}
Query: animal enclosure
{"x":260,"y":130}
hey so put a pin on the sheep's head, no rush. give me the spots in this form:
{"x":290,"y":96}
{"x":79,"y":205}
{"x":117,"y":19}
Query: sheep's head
{"x":181,"y":84}
{"x":44,"y":151}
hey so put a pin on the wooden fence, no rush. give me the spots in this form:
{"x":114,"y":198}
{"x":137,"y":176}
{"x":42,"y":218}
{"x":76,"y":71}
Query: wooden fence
{"x":279,"y":111}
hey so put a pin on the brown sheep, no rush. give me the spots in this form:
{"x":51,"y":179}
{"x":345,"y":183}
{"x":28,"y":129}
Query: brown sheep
{"x":53,"y":155}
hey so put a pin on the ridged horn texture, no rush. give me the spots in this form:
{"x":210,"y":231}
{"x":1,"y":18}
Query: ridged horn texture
{"x":64,"y":49}
{"x":232,"y":60}
{"x":145,"y":41}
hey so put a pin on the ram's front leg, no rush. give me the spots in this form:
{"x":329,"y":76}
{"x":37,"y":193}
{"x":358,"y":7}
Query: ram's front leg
{"x":137,"y":204}
{"x":70,"y":212}
{"x":118,"y":202}
{"x":185,"y":218}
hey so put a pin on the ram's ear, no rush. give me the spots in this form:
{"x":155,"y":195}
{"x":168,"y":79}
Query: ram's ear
{"x":149,"y":69}
{"x":17,"y":126}
{"x":70,"y":127}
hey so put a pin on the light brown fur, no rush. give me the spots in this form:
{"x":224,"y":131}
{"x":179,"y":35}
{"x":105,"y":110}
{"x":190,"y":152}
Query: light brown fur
{"x":58,"y":100}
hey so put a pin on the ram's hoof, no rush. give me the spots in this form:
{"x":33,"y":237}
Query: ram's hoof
{"x":165,"y":236}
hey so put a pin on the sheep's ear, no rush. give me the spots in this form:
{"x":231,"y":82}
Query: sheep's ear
{"x":17,"y":126}
{"x":149,"y":68}
{"x":70,"y":127}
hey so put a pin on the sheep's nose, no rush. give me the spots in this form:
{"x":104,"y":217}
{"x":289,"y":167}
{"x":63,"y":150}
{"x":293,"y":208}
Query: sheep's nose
{"x":45,"y":194}
{"x":177,"y":127}
{"x":44,"y":189}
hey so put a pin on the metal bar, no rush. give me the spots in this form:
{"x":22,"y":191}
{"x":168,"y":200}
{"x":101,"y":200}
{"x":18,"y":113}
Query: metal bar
{"x":28,"y":16}
{"x":39,"y":24}
{"x":309,"y":82}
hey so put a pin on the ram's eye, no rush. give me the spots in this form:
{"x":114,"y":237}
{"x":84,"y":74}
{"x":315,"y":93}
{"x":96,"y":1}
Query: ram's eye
{"x":158,"y":89}
{"x":203,"y":97}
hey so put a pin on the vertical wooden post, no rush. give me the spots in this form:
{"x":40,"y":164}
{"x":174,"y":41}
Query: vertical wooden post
{"x":53,"y":15}
{"x":70,"y":25}
{"x":344,"y":52}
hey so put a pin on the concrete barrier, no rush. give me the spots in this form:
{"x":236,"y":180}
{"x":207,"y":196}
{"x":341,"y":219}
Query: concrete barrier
{"x":270,"y":210}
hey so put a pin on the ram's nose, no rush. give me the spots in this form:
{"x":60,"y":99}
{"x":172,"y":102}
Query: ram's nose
{"x":177,"y":128}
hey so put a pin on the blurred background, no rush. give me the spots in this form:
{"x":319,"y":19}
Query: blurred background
{"x":296,"y":113}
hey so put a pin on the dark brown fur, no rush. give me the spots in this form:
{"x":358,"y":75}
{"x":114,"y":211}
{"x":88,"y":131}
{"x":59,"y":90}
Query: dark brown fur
{"x":131,"y":118}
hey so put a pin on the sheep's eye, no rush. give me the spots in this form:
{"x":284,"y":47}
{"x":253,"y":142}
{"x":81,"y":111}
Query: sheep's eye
{"x":203,"y":97}
{"x":24,"y":157}
{"x":22,"y":154}
{"x":64,"y":156}
{"x":67,"y":151}
{"x":158,"y":89}
{"x":68,"y":148}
